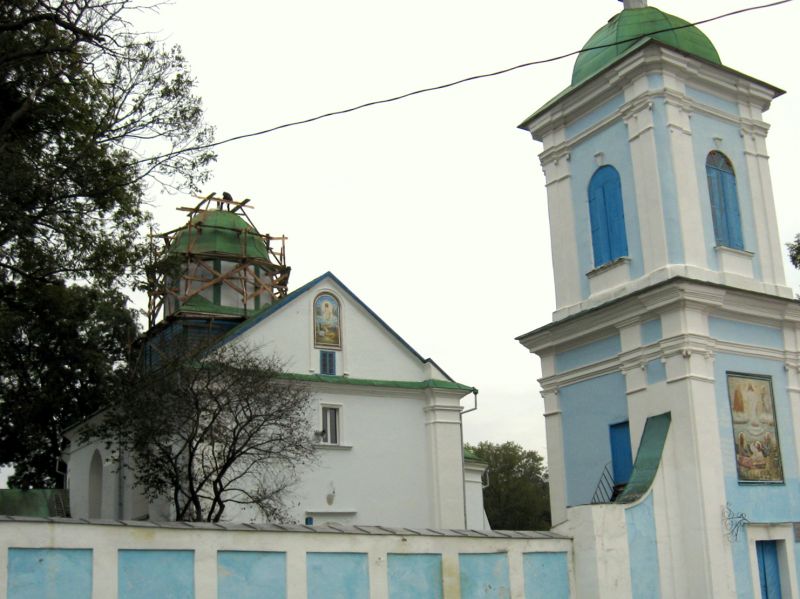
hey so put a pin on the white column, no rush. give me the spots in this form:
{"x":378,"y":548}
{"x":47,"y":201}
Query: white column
{"x":443,"y":424}
{"x":563,"y":241}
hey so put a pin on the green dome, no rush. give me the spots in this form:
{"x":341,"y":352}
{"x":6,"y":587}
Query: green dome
{"x":632,"y":24}
{"x":219,"y":232}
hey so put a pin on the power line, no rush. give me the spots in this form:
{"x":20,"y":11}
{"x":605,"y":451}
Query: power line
{"x":425,"y":90}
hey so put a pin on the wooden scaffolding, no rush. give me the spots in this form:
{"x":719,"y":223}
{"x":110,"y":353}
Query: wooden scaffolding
{"x":184,"y":264}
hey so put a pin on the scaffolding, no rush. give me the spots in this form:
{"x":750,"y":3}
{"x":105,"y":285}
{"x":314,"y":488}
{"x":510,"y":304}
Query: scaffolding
{"x":219,"y":250}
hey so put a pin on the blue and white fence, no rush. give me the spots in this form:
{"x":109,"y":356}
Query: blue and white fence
{"x":73,"y":559}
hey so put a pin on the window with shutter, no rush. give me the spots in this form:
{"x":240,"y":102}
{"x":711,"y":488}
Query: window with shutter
{"x":724,"y":201}
{"x":327,"y":362}
{"x":607,"y":217}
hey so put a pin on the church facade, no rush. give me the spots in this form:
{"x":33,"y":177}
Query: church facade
{"x":670,"y":370}
{"x":386,"y":422}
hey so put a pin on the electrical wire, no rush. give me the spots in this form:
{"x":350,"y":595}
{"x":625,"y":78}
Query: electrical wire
{"x":458,"y":82}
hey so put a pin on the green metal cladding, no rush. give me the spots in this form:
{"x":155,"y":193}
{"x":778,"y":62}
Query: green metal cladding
{"x":222,"y":233}
{"x":630,"y":26}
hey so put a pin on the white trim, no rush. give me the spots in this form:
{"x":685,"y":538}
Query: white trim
{"x":784,"y":534}
{"x":339,"y":427}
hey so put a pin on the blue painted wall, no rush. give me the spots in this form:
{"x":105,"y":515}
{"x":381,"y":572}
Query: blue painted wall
{"x":712,"y":100}
{"x":656,"y":371}
{"x":484,"y":576}
{"x":745,"y":332}
{"x":595,"y":116}
{"x":251,"y":575}
{"x":588,"y":408}
{"x":49,"y":574}
{"x":415,"y":576}
{"x":337,"y":575}
{"x":765,"y":502}
{"x":704,"y":130}
{"x":546,"y":575}
{"x":612,"y":141}
{"x":650,"y":331}
{"x":591,"y":353}
{"x":642,"y":545}
{"x":147,"y":574}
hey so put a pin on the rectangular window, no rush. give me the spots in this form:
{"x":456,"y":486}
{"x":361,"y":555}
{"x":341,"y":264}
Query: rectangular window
{"x":327,"y":362}
{"x":330,"y":425}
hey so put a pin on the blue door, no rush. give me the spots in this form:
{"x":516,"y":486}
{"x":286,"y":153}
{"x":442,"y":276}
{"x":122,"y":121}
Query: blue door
{"x":621,"y":454}
{"x":768,"y":570}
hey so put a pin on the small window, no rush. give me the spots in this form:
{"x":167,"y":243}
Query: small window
{"x":327,"y":362}
{"x":607,"y":218}
{"x":330,"y":425}
{"x":724,"y":201}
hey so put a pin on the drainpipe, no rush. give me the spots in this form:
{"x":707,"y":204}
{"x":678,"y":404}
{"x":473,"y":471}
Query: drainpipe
{"x":123,"y":460}
{"x":464,"y":482}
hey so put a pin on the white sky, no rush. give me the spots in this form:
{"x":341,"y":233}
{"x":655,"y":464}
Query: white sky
{"x":433,"y":209}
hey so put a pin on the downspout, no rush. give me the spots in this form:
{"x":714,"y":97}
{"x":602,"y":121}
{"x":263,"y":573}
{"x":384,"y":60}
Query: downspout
{"x":123,"y":459}
{"x":463,"y":473}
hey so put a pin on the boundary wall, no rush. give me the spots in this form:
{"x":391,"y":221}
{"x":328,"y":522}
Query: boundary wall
{"x":49,"y":558}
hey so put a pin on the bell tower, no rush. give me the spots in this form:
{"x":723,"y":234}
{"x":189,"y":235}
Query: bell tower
{"x":670,"y":369}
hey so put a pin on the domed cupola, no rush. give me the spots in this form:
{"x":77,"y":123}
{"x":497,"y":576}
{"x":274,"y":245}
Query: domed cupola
{"x":218,"y":265}
{"x":635,"y":25}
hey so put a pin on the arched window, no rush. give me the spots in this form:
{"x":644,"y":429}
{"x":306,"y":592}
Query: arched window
{"x":606,"y":215}
{"x":724,"y":201}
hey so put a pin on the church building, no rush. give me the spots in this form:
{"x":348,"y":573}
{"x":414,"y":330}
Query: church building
{"x":670,"y":369}
{"x":386,"y":422}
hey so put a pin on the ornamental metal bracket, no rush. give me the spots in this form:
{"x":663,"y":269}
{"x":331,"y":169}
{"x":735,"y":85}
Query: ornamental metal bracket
{"x":733,"y":522}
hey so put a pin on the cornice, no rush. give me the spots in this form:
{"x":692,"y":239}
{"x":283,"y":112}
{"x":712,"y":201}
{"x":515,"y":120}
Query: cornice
{"x":712,"y":299}
{"x":654,"y":57}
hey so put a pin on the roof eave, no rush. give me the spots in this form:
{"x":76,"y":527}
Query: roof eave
{"x":526,"y":124}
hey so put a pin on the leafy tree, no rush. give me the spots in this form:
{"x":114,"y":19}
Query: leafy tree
{"x":517,"y":496}
{"x":84,"y":105}
{"x":59,"y":350}
{"x":794,"y":251}
{"x":227,"y":428}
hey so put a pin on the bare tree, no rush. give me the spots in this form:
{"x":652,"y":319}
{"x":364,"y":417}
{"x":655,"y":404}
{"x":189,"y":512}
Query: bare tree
{"x":227,"y":428}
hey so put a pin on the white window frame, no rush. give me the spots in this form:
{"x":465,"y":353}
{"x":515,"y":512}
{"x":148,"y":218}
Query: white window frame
{"x":322,"y":412}
{"x":784,"y":535}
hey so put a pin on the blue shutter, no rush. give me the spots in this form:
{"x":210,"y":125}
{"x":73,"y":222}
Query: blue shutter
{"x":621,"y":453}
{"x":327,"y":362}
{"x":732,"y":215}
{"x":717,"y":206}
{"x":768,"y":569}
{"x":609,"y":240}
{"x":597,"y":216}
{"x":617,"y":239}
{"x":724,"y":201}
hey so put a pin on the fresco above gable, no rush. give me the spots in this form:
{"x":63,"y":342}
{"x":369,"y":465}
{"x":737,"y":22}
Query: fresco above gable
{"x":755,"y":430}
{"x":327,"y":321}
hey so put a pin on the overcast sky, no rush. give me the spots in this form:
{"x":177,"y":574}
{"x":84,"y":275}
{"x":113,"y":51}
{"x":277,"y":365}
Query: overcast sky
{"x":433,"y":209}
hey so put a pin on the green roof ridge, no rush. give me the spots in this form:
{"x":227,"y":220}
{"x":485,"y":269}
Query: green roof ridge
{"x":346,"y":380}
{"x":631,"y":25}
